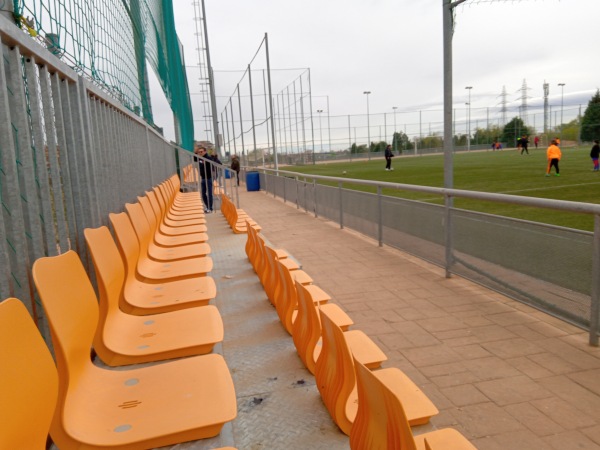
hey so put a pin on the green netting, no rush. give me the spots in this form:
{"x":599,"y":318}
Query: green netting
{"x":110,"y":41}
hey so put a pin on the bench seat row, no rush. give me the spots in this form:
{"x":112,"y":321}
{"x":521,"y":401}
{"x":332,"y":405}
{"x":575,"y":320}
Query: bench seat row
{"x":375,"y":406}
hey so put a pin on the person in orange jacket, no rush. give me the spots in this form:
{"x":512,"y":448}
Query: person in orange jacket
{"x":553,"y":154}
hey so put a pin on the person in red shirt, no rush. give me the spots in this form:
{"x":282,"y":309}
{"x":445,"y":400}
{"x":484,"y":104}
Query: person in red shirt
{"x":536,"y":141}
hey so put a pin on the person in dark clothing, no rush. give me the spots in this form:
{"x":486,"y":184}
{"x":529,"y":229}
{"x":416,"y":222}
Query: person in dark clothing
{"x":206,"y":179}
{"x":388,"y":157}
{"x":524,"y":144}
{"x":595,"y":154}
{"x":235,"y":166}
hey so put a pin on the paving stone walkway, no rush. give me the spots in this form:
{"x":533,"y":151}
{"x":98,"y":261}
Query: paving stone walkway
{"x":505,"y":375}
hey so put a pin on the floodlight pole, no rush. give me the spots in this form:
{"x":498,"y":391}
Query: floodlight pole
{"x":469,"y":119}
{"x":562,"y":98}
{"x":448,"y":6}
{"x":394,"y":139}
{"x":211,"y":85}
{"x":319,"y":111}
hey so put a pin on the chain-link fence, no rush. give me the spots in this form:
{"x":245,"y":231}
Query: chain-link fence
{"x":551,"y":268}
{"x":69,"y":155}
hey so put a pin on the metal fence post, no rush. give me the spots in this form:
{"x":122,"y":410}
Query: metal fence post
{"x":448,"y":233}
{"x":595,"y":298}
{"x":380,"y":214}
{"x":315,"y":196}
{"x":341,"y":205}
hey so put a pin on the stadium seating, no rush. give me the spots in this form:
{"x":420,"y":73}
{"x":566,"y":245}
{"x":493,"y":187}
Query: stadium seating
{"x":126,"y":408}
{"x":381,"y":421}
{"x":122,"y":338}
{"x":336,"y":381}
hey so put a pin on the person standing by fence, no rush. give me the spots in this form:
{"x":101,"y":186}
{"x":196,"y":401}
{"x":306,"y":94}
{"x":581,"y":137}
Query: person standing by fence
{"x":595,"y":154}
{"x":388,"y":157}
{"x":206,"y":183}
{"x":553,"y":154}
{"x":235,"y":166}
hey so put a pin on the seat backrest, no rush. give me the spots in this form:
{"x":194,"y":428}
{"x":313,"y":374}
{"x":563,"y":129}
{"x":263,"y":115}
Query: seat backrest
{"x":271,"y":274}
{"x":72,"y":310}
{"x":140,"y":225}
{"x":155,"y":208}
{"x":148,"y":212}
{"x":287,"y":300}
{"x":250,"y":243}
{"x":127,"y":242}
{"x":380,"y":421}
{"x":109,"y":268}
{"x":28,"y":380}
{"x":260,"y":256}
{"x":160,"y":202}
{"x":306,"y":330}
{"x":334,"y":372}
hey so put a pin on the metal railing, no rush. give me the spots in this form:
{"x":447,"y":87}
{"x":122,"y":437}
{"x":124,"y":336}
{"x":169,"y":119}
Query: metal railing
{"x":552,"y":268}
{"x":69,"y":155}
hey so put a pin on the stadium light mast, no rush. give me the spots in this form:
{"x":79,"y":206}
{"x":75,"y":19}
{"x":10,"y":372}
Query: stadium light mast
{"x":468,"y":88}
{"x":562,"y":102}
{"x":211,"y":85}
{"x":368,"y":127}
{"x":394,"y":140}
{"x":320,"y":111}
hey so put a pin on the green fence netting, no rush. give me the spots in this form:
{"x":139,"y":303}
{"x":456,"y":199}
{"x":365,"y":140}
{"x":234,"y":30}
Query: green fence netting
{"x":110,"y":41}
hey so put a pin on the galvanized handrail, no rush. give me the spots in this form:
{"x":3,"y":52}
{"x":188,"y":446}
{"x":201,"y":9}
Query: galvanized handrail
{"x":558,"y":205}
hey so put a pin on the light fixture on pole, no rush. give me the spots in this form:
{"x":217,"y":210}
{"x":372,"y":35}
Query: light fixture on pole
{"x":394,"y":139}
{"x":562,"y":98}
{"x":468,"y":88}
{"x":368,"y":126}
{"x":319,"y":111}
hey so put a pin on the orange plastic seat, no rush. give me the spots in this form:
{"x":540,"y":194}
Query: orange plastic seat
{"x":193,"y":214}
{"x":306,"y":330}
{"x":238,"y":220}
{"x":141,"y":297}
{"x":287,"y":302}
{"x":186,"y":224}
{"x":154,"y":406}
{"x":160,"y":239}
{"x":149,"y":249}
{"x":28,"y":380}
{"x":273,"y":285}
{"x":122,"y":338}
{"x":336,"y":381}
{"x":147,"y":269}
{"x":381,"y":422}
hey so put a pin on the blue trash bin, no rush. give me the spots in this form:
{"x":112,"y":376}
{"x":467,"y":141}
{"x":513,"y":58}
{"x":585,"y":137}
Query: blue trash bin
{"x":252,"y":181}
{"x":227,"y":174}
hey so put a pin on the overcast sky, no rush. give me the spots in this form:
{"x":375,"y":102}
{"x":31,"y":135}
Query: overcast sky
{"x":393,"y":48}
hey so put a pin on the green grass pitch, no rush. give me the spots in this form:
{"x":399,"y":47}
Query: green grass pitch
{"x":503,"y":171}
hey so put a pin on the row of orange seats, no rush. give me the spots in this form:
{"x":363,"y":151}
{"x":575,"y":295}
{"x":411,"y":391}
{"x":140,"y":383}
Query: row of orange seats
{"x":152,"y":305}
{"x":375,"y":406}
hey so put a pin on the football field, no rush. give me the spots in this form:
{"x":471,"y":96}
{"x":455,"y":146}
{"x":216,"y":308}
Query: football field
{"x":503,"y":171}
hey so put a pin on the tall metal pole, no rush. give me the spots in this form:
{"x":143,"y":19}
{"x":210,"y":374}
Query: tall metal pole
{"x":241,"y":121}
{"x":447,"y":6}
{"x":394,"y":139}
{"x":468,"y":88}
{"x":271,"y":102}
{"x":328,"y":125}
{"x":252,"y":112}
{"x":312,"y":128}
{"x":211,"y":86}
{"x":562,"y":98}
{"x":368,"y":127}
{"x":319,"y":111}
